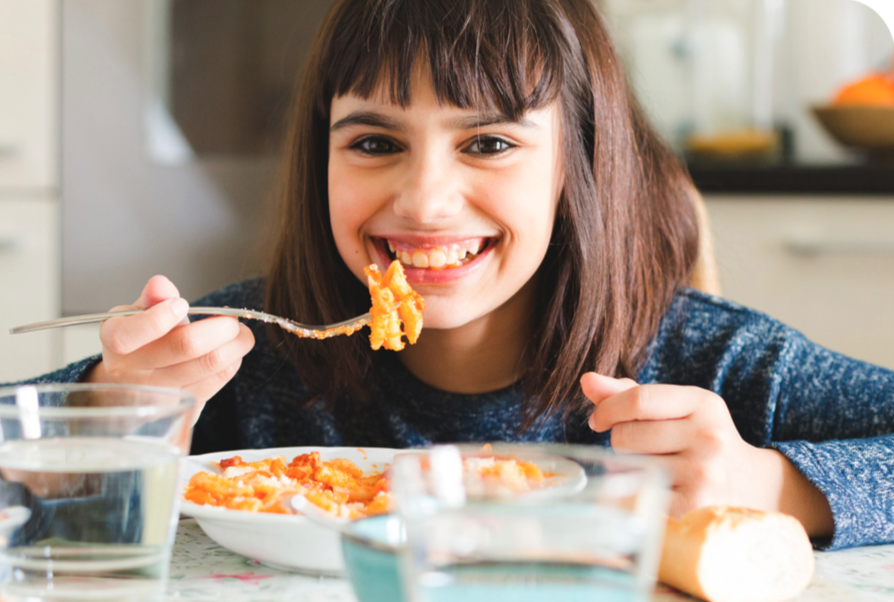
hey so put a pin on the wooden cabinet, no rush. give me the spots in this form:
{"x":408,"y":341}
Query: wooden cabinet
{"x":824,"y":265}
{"x":29,"y":273}
{"x":29,"y":56}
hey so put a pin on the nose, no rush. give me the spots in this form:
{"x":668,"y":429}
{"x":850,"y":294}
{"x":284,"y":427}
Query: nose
{"x":429,"y":189}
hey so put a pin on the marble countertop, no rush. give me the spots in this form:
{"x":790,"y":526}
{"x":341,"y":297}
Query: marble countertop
{"x":202,"y":570}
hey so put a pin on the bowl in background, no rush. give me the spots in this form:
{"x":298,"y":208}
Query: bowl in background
{"x":732,"y":145}
{"x":865,"y":128}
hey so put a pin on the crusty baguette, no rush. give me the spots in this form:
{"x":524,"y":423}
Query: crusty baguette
{"x":724,"y":554}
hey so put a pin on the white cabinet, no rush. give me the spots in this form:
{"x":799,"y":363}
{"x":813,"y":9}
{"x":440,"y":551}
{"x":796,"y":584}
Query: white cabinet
{"x":28,"y":94}
{"x":29,"y":284}
{"x":824,"y":265}
{"x":29,"y":208}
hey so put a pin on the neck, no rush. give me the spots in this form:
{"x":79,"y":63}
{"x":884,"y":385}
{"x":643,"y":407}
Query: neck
{"x":482,"y":356}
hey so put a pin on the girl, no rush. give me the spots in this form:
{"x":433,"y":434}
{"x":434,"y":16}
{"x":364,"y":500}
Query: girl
{"x":494,"y":147}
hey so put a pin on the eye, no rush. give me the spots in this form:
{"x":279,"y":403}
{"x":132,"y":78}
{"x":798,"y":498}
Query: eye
{"x":376,"y":145}
{"x":488,"y":146}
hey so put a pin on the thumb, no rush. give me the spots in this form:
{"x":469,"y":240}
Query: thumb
{"x":598,"y":387}
{"x":158,"y":289}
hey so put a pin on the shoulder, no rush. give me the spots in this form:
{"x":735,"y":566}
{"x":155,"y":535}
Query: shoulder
{"x":694,"y":314}
{"x":248,"y":294}
{"x":702,"y":339}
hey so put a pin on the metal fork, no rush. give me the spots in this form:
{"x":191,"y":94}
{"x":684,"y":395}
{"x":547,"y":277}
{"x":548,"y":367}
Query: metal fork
{"x":325,"y":331}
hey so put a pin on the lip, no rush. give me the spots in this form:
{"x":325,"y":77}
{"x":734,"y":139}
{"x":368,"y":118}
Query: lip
{"x":430,"y":276}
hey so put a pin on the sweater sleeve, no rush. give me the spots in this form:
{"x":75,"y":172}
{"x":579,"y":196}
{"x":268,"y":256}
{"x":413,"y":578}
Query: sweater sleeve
{"x":857,"y":478}
{"x":834,"y":419}
{"x":72,"y":373}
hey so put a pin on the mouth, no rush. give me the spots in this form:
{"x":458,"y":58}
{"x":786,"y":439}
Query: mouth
{"x":441,"y":256}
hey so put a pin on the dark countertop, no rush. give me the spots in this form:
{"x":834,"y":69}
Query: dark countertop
{"x":793,"y":179}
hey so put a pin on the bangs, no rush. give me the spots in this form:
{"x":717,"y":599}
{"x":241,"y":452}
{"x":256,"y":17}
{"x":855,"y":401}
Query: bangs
{"x":490,"y":55}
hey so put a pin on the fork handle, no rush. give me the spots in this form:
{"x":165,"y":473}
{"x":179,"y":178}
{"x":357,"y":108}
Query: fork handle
{"x":91,"y":318}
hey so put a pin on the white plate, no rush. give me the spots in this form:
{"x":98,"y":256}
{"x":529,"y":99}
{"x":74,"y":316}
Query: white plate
{"x":285,"y":542}
{"x":294,"y":543}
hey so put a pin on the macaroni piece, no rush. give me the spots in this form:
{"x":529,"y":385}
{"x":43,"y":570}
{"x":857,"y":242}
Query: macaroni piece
{"x":393,"y":303}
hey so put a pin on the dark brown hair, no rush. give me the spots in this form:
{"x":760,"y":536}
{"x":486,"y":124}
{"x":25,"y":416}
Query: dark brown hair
{"x":626,"y":235}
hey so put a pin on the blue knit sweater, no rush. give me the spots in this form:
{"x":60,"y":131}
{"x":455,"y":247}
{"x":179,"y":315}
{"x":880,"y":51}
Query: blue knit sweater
{"x":832,"y":416}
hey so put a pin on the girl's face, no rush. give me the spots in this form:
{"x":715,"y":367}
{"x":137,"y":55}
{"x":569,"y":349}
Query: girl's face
{"x":465,"y":200}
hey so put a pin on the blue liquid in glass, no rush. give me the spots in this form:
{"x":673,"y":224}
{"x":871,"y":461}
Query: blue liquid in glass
{"x":529,"y":582}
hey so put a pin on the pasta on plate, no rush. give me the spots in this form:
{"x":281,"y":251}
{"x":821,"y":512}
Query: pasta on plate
{"x":337,"y":486}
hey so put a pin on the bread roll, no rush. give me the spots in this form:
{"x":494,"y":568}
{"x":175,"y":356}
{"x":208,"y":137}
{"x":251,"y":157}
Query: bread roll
{"x":727,"y":554}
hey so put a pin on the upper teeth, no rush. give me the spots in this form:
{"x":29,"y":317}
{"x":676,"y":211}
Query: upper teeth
{"x":420,"y":259}
{"x":436,"y":257}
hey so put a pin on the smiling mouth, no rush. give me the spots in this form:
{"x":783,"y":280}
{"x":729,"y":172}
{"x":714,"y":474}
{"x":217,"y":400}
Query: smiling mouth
{"x":435,"y":257}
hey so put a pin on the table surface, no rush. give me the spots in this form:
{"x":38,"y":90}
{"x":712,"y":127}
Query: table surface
{"x":202,"y":570}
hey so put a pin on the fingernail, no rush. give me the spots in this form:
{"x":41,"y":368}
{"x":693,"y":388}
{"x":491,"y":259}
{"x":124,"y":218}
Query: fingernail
{"x":179,"y":306}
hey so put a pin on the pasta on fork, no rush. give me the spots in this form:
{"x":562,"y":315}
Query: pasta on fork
{"x":394,"y":304}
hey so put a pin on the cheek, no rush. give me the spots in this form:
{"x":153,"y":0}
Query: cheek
{"x":340,"y":194}
{"x":347,"y":215}
{"x":528,"y":204}
{"x":356,"y":194}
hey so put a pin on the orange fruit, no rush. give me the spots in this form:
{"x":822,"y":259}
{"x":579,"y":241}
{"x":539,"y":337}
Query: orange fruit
{"x":876,"y":90}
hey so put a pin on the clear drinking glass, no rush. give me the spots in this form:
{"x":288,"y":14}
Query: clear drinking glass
{"x":89,"y":496}
{"x":476,"y":531}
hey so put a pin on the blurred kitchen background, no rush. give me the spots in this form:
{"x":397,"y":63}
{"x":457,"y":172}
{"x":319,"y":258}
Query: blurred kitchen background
{"x":140,"y":137}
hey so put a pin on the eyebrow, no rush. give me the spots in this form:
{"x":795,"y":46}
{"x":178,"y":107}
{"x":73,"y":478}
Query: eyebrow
{"x":368,"y":118}
{"x":486,"y":119}
{"x":373,"y":119}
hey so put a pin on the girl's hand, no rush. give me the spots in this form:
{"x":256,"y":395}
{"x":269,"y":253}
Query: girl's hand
{"x":160,"y":347}
{"x":690,"y":431}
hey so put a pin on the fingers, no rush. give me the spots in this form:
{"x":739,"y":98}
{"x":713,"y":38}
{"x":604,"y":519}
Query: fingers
{"x":185,"y":344}
{"x":653,"y":437}
{"x":680,"y":505}
{"x":125,"y":334}
{"x":160,"y":347}
{"x":598,"y":387}
{"x":158,"y":289}
{"x":694,"y":483}
{"x":647,"y":402}
{"x":207,"y":360}
{"x":688,"y":430}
